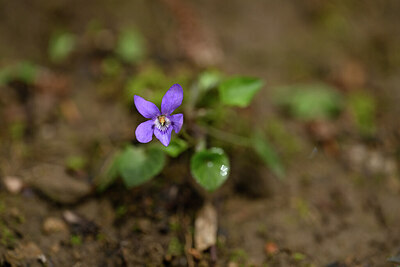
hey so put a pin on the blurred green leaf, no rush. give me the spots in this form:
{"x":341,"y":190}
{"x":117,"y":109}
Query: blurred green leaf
{"x":239,"y":91}
{"x":176,"y":147}
{"x":76,"y":240}
{"x":130,"y":46}
{"x":210,"y":168}
{"x":17,"y":130}
{"x":151,"y":77}
{"x":76,"y":163}
{"x":209,"y":79}
{"x":309,"y":102}
{"x":268,"y":155}
{"x":61,"y":45}
{"x":111,"y":66}
{"x":363,"y":109}
{"x":175,"y":247}
{"x":298,"y":256}
{"x":24,"y":71}
{"x":108,"y":172}
{"x":288,"y":142}
{"x":138,"y":165}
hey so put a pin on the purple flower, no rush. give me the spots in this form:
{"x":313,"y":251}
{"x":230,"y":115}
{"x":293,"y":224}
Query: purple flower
{"x":160,"y":123}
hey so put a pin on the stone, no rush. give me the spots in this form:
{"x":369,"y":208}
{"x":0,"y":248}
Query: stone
{"x":54,"y":225}
{"x":206,"y":228}
{"x":13,"y":184}
{"x":55,"y":183}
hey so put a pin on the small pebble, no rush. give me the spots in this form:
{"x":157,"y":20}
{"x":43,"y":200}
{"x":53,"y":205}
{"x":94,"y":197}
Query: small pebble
{"x":13,"y":184}
{"x":54,"y":225}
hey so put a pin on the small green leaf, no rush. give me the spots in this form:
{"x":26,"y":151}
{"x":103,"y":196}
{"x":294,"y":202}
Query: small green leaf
{"x":60,"y":46}
{"x":210,"y":168}
{"x":176,"y":147}
{"x":298,"y":256}
{"x":309,"y":102}
{"x":268,"y":155}
{"x":209,"y":79}
{"x":138,"y":165}
{"x":239,"y":91}
{"x":24,"y":71}
{"x":108,"y":172}
{"x":76,"y":163}
{"x":130,"y":46}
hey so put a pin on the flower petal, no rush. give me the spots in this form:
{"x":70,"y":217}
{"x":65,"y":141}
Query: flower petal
{"x":164,"y":137}
{"x":176,"y":121}
{"x":172,"y":99}
{"x":144,"y":132}
{"x":146,"y":108}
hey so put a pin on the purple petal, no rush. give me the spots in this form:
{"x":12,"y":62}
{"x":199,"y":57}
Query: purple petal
{"x":146,"y":108}
{"x":164,"y":137}
{"x":172,"y":99}
{"x":176,"y":121}
{"x":144,"y":132}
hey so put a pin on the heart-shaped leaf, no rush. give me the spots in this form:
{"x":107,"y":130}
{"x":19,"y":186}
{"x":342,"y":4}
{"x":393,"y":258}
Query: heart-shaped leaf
{"x":210,"y":168}
{"x":239,"y":91}
{"x":137,"y":165}
{"x":176,"y":147}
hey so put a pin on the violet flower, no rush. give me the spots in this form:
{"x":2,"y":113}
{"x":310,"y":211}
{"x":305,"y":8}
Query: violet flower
{"x":160,"y":123}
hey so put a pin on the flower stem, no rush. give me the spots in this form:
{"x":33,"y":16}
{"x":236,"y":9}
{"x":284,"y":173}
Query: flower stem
{"x":228,"y":137}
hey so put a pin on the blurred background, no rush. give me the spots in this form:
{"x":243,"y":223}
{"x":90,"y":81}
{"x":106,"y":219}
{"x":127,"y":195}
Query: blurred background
{"x":329,"y":108}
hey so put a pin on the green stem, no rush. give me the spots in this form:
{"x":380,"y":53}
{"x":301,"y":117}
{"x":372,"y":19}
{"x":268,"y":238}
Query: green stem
{"x":188,"y":138}
{"x":228,"y":137}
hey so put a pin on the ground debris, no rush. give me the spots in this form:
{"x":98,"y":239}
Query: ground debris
{"x":79,"y":225}
{"x":56,"y":184}
{"x":206,"y":227}
{"x":271,"y":248}
{"x":26,"y":254}
{"x":54,"y":225}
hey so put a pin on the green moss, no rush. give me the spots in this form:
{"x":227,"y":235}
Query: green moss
{"x":76,"y":240}
{"x":7,"y":237}
{"x":175,"y":247}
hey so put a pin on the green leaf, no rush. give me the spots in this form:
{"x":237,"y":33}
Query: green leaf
{"x":210,"y":168}
{"x":76,"y":163}
{"x":131,"y":46}
{"x":60,"y":46}
{"x":176,"y":147}
{"x":208,"y":80}
{"x":138,"y":165}
{"x":239,"y":91}
{"x":309,"y":102}
{"x":24,"y":71}
{"x":152,"y":78}
{"x":108,"y":172}
{"x":262,"y":147}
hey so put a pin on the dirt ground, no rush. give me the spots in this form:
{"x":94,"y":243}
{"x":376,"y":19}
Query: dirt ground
{"x":337,"y":206}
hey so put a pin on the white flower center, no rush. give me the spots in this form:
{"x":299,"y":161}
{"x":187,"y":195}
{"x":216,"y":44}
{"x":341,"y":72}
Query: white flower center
{"x":162,"y":123}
